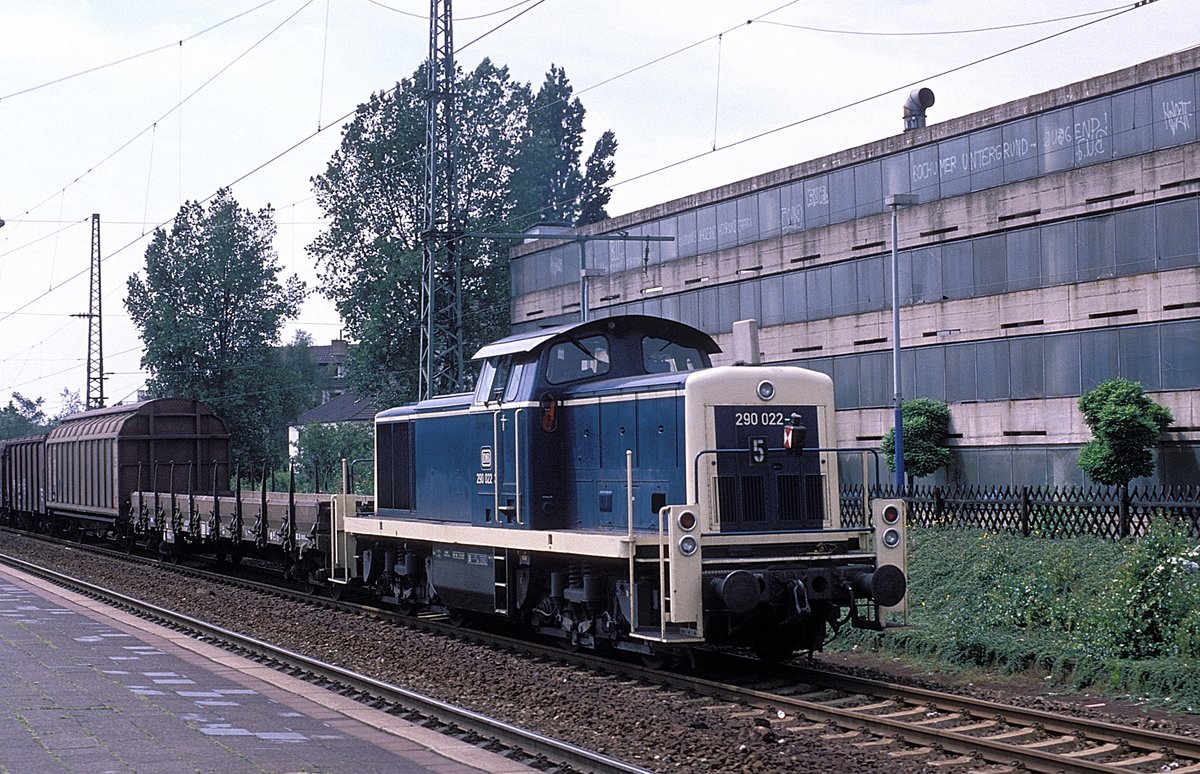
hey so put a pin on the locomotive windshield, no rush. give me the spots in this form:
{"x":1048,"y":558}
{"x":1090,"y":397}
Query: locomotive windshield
{"x":660,"y":356}
{"x":577,"y":359}
{"x":498,"y":380}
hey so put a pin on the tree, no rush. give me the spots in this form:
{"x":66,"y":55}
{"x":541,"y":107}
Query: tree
{"x":369,"y":256}
{"x":596,"y":193}
{"x":1125,"y":425}
{"x":210,"y":310}
{"x":22,"y":416}
{"x":321,"y":449}
{"x":72,"y":403}
{"x":302,"y":373}
{"x":926,"y":425}
{"x":547,"y":182}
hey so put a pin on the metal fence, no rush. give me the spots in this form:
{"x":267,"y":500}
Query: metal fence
{"x":1057,"y":512}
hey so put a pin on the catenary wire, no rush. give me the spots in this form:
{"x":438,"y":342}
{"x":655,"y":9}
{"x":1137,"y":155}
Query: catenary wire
{"x":182,"y":100}
{"x":877,"y":95}
{"x":423,"y":17}
{"x":929,"y":33}
{"x":132,"y":57}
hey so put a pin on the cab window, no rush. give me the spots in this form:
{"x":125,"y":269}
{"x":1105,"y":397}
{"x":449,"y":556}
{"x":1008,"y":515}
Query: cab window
{"x":494,"y":378}
{"x":660,"y":356}
{"x":577,"y":359}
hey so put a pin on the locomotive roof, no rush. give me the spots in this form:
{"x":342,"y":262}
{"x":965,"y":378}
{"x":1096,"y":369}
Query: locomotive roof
{"x":658,"y":326}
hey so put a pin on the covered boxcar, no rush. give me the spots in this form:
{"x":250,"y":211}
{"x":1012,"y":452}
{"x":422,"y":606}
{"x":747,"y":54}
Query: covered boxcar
{"x":22,"y":491}
{"x":96,"y":459}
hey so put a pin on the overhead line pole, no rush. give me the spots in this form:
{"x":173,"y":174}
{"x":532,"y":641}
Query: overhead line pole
{"x":95,"y":352}
{"x":443,"y":367}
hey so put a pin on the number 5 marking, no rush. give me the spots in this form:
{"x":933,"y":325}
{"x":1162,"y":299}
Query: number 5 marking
{"x":758,"y":450}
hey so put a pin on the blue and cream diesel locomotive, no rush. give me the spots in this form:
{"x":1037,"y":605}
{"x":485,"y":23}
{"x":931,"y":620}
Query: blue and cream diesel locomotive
{"x":607,"y":485}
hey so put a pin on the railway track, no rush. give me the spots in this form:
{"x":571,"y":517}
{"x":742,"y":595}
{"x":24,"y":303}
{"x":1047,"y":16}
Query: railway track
{"x":906,"y":724}
{"x":952,"y":730}
{"x":534,"y":749}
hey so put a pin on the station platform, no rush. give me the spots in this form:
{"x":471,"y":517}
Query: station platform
{"x":87,"y":688}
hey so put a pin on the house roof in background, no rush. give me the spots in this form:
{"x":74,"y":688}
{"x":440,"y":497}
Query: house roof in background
{"x":346,"y":407}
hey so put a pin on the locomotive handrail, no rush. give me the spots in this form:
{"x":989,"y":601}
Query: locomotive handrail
{"x":771,"y":450}
{"x":517,"y":466}
{"x":349,"y":474}
{"x":662,"y":574}
{"x":496,"y":464}
{"x":629,"y":534}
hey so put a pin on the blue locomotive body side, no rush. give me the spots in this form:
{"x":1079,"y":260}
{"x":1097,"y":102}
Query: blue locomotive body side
{"x":598,"y":429}
{"x":500,"y":467}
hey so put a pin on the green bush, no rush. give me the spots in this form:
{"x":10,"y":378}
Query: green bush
{"x":1150,"y":609}
{"x":1118,"y":616}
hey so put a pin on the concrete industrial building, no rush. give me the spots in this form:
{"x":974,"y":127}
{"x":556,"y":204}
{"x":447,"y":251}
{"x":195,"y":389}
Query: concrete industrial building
{"x":1055,"y":243}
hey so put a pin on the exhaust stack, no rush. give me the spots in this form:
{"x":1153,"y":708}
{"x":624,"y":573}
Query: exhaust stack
{"x":914,"y":108}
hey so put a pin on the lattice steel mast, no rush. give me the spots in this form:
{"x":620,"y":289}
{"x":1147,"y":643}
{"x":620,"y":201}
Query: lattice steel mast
{"x":95,"y":356}
{"x":443,"y":368}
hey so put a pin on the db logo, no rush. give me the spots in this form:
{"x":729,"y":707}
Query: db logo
{"x":485,"y":457}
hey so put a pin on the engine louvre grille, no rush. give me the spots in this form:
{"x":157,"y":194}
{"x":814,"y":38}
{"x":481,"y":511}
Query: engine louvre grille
{"x":755,"y":484}
{"x":754,"y":506}
{"x":791,"y":496}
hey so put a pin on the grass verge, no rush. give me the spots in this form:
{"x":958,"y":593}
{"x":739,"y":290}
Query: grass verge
{"x":1118,"y":617}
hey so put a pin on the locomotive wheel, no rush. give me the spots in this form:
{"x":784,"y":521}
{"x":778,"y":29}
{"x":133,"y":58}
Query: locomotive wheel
{"x":567,"y":644}
{"x":336,"y":590}
{"x":654,"y":660}
{"x":457,"y":617}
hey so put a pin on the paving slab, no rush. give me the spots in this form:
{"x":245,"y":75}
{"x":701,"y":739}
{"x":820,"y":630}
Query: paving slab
{"x":91,"y":689}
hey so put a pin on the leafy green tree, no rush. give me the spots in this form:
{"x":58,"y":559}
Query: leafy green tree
{"x":302,"y":372}
{"x":926,"y":426}
{"x":596,"y":193}
{"x":321,"y":449}
{"x":209,"y":310}
{"x":547,"y":182}
{"x":1125,"y":425}
{"x":22,"y":416}
{"x":369,"y":256}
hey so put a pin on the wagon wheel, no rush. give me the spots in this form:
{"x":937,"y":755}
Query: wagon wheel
{"x":655,"y":659}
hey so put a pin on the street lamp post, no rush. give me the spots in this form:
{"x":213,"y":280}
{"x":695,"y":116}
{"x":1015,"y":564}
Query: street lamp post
{"x":896,"y":201}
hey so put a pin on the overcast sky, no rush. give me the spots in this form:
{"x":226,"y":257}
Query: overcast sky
{"x":672,"y":79}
